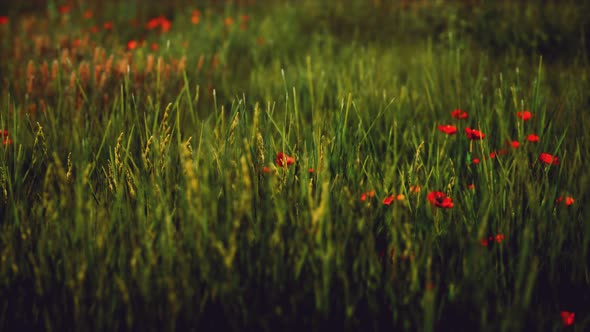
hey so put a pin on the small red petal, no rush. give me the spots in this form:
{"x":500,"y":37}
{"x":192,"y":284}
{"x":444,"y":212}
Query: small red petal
{"x":448,"y":129}
{"x":567,"y":318}
{"x":532,"y":138}
{"x":525,"y":115}
{"x":459,"y":114}
{"x":387,"y":200}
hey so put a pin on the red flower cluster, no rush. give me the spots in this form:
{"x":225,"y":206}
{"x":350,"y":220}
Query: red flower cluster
{"x":532,"y":138}
{"x":162,"y":22}
{"x":474,"y":134}
{"x":524,"y":115}
{"x":367,"y":194}
{"x":459,"y":114}
{"x":4,"y":20}
{"x":196,"y":17}
{"x":548,"y":159}
{"x":5,"y":139}
{"x":389,"y":199}
{"x":283,"y":160}
{"x":448,"y":129}
{"x":486,"y":241}
{"x":64,"y":9}
{"x":567,"y":318}
{"x":568,"y":200}
{"x":439,"y":199}
{"x":132,"y":44}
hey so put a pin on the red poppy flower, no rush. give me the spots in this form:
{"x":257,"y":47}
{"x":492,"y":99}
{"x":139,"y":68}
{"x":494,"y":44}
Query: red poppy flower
{"x":162,"y":22}
{"x":368,"y":194}
{"x":567,"y":318}
{"x":548,"y":159}
{"x":569,"y":201}
{"x":475,"y":160}
{"x":311,"y":170}
{"x":400,"y":197}
{"x":532,"y":138}
{"x":415,"y":189}
{"x":132,"y":44}
{"x":387,"y":200}
{"x":4,"y":20}
{"x":515,"y":144}
{"x":448,"y":129}
{"x":499,"y":238}
{"x":524,"y":115}
{"x":439,"y":199}
{"x":459,"y":114}
{"x":88,"y":14}
{"x":471,"y":186}
{"x":484,"y":242}
{"x":108,"y":25}
{"x":64,"y":9}
{"x":474,"y":134}
{"x":5,"y":139}
{"x":283,"y":159}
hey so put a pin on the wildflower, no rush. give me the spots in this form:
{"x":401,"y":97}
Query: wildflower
{"x":499,"y":238}
{"x":108,"y":25}
{"x":448,"y":129}
{"x":524,"y":115}
{"x":515,"y":144}
{"x":532,"y":138}
{"x":154,"y":47}
{"x":475,"y":160}
{"x":310,"y":170}
{"x":132,"y":44}
{"x":471,"y":186}
{"x":4,"y":20}
{"x":548,"y":159}
{"x":266,"y":170}
{"x":567,"y":318}
{"x":474,"y":134}
{"x":459,"y":114}
{"x":484,"y":242}
{"x":64,"y":9}
{"x":400,"y":197}
{"x":162,"y":22}
{"x":94,"y":29}
{"x":5,"y":139}
{"x":439,"y":199}
{"x":415,"y":189}
{"x":368,"y":194}
{"x":196,"y":17}
{"x":284,"y":160}
{"x":88,"y":14}
{"x":568,"y":200}
{"x":387,"y":200}
{"x":228,"y":21}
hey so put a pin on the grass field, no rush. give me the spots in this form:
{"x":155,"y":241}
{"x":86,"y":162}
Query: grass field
{"x":294,"y":165}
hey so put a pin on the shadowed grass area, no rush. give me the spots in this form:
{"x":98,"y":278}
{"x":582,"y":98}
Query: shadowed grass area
{"x":143,"y":188}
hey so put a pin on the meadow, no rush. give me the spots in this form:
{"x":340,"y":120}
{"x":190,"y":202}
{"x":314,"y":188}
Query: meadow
{"x":294,"y":165}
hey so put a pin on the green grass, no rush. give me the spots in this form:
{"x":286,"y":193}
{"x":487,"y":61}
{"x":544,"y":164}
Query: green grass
{"x":142,"y":192}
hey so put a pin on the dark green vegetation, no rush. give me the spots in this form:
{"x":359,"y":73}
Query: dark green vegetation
{"x":139,"y":187}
